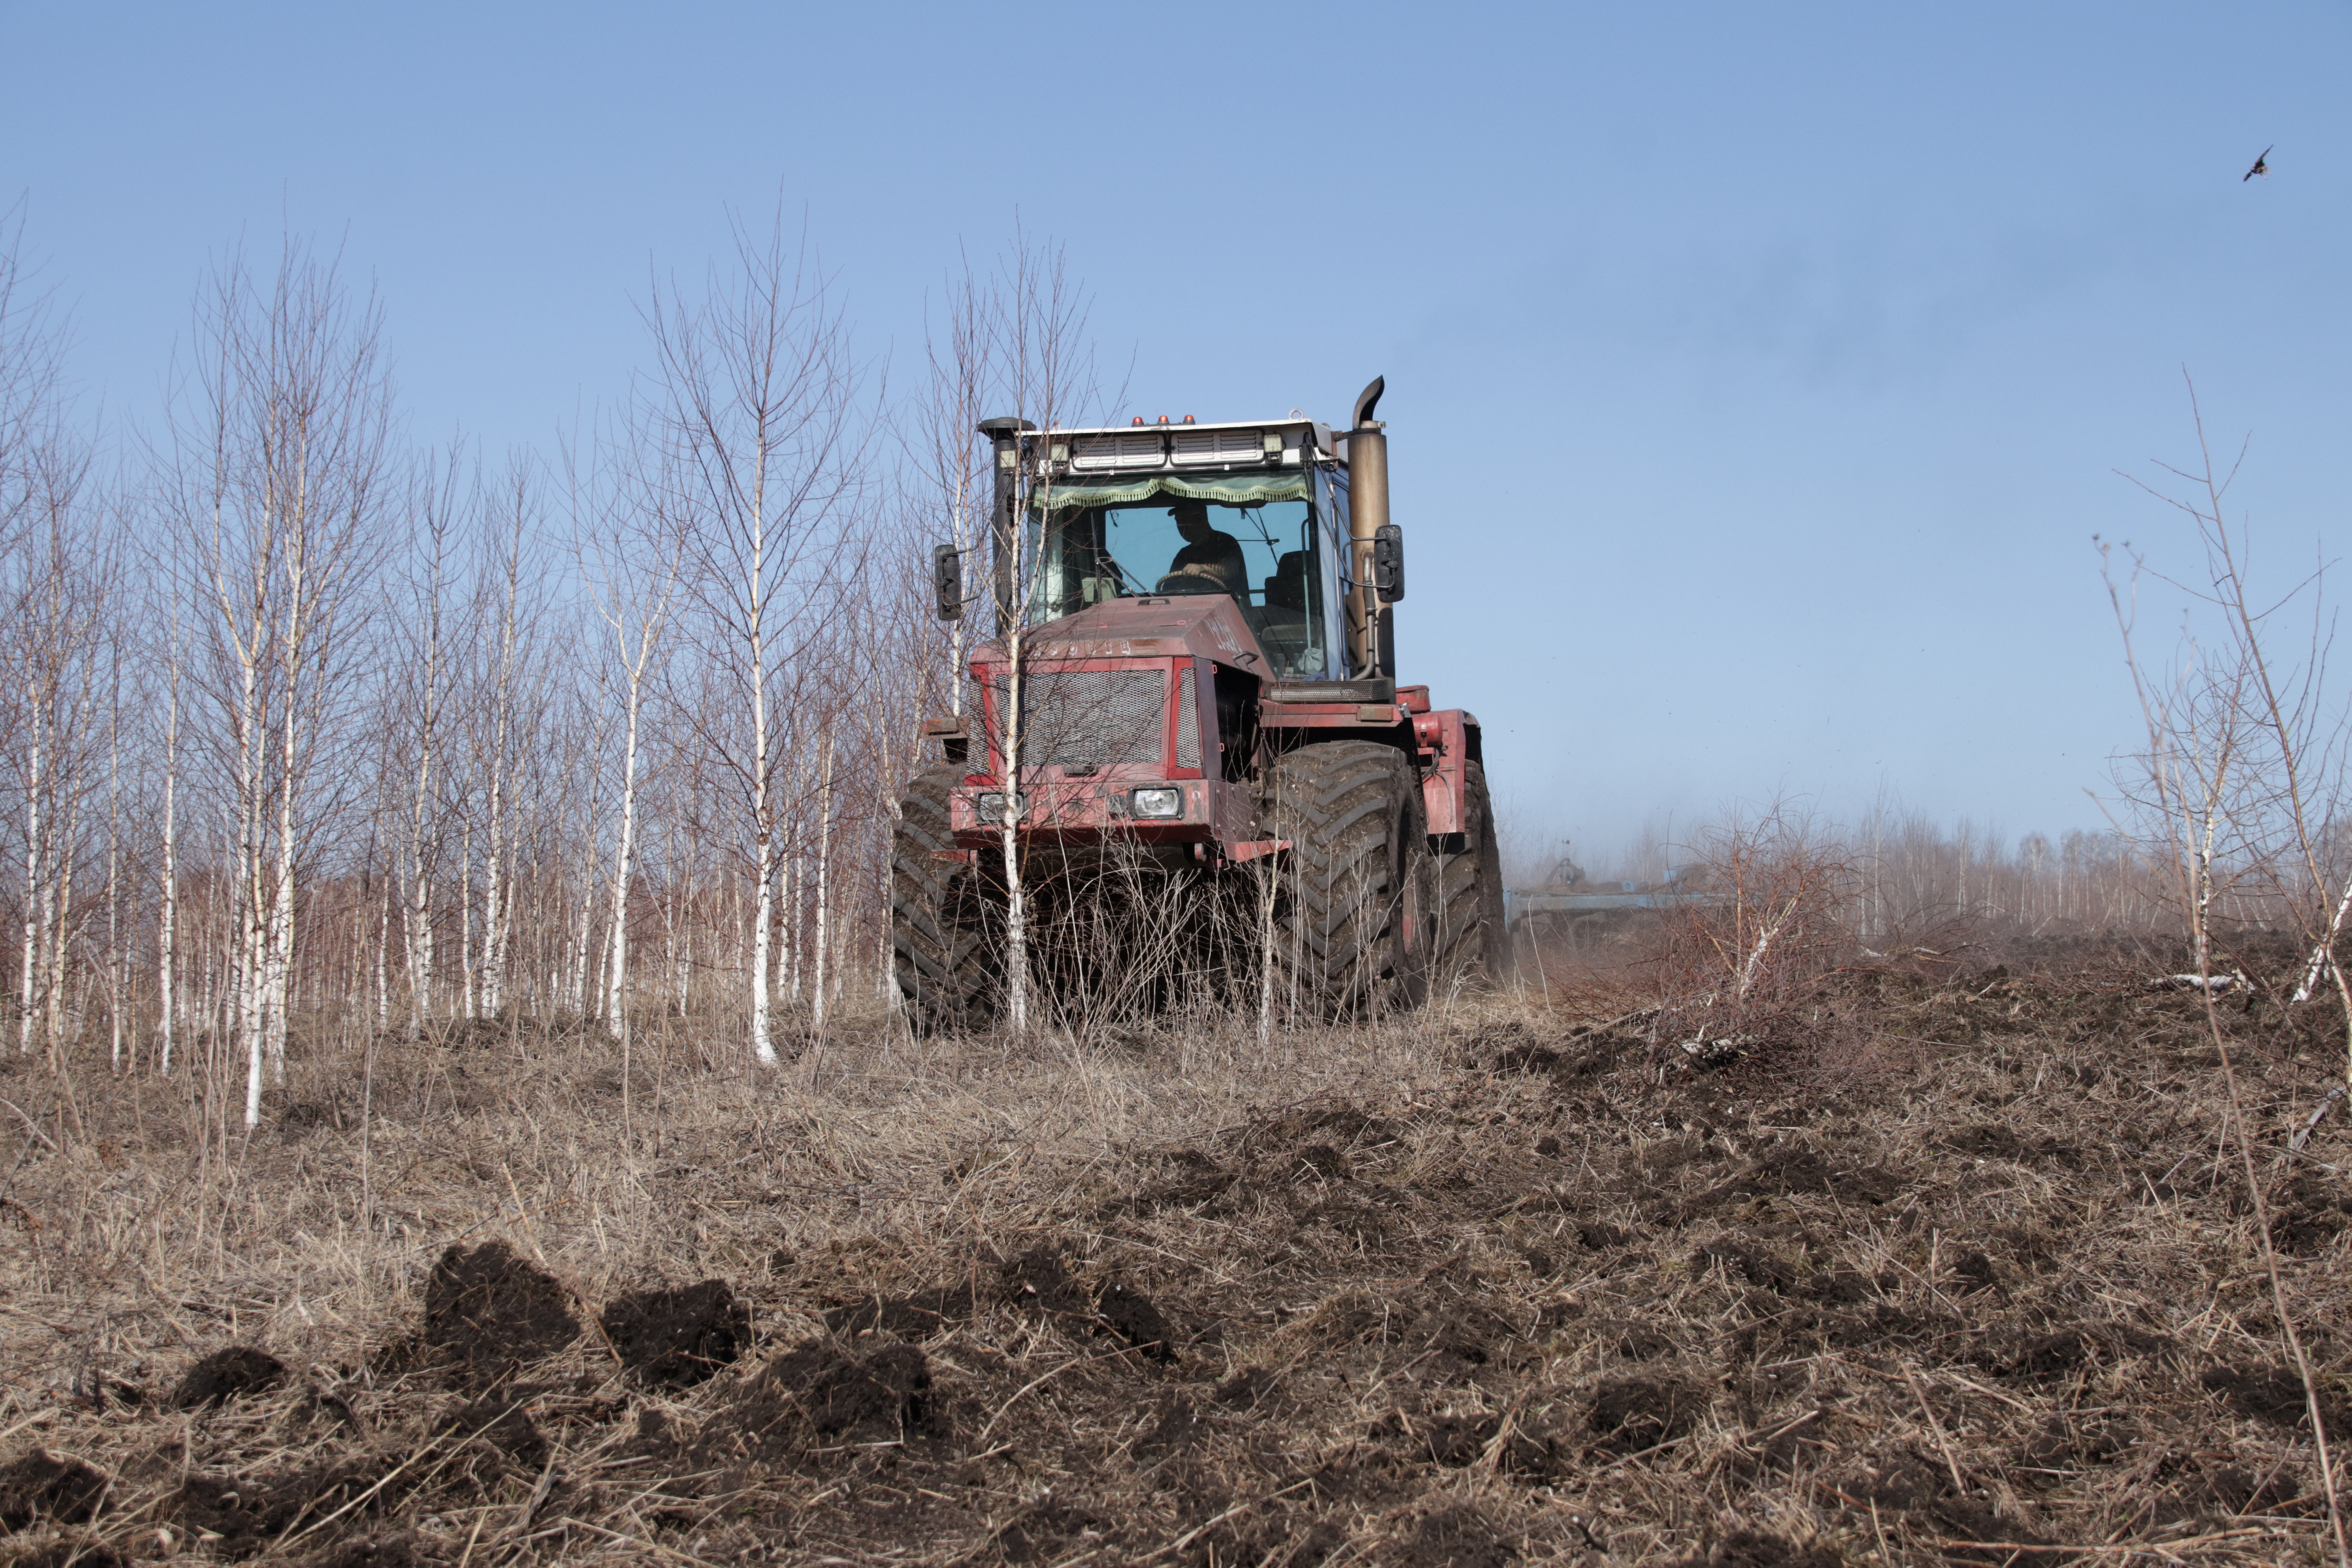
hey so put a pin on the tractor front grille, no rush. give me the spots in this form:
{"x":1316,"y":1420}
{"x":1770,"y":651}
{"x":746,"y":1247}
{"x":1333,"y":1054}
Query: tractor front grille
{"x":1086,"y":718}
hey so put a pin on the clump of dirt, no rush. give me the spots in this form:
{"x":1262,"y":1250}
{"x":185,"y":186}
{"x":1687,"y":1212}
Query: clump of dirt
{"x":1338,"y":1127}
{"x":1133,"y":1316}
{"x":915,"y":1316}
{"x":1798,"y":1170}
{"x":241,"y":1516}
{"x":2065,"y":1448}
{"x":487,"y":1311}
{"x":2064,"y":1350}
{"x":2307,"y":1215}
{"x":505,"y":1425}
{"x":227,"y":1374}
{"x":2233,"y":1489}
{"x":1044,"y":1531}
{"x":1746,"y":1259}
{"x":1249,"y":1388}
{"x":675,"y":1339}
{"x":1037,"y":1280}
{"x":1452,"y":1337}
{"x":1322,"y":1160}
{"x":2271,"y":1393}
{"x":248,"y":1513}
{"x":875,"y":1400}
{"x":1274,"y":1533}
{"x":814,"y":1398}
{"x":1640,"y":1342}
{"x":1454,"y":1442}
{"x":1909,"y":1481}
{"x":1174,"y":1431}
{"x":1455,"y":1538}
{"x":38,"y":1484}
{"x":1632,"y":1414}
{"x":1040,"y":1281}
{"x":1975,"y":1271}
{"x":1198,"y":1178}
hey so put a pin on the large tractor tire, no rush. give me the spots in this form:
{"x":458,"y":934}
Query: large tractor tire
{"x":945,"y":922}
{"x":1472,"y":939}
{"x":1356,"y":904}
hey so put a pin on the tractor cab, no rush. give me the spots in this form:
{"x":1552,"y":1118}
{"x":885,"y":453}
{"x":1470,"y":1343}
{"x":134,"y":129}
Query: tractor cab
{"x":1247,"y":513}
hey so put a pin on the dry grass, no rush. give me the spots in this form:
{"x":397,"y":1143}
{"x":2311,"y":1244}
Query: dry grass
{"x":1466,"y":1287}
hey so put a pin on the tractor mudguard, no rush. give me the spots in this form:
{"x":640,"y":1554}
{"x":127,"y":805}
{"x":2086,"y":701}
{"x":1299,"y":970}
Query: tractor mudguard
{"x":1446,"y":740}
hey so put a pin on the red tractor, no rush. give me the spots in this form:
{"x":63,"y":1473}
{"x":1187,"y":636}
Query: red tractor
{"x":1194,"y":682}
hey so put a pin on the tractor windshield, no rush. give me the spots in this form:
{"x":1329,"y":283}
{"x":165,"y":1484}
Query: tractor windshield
{"x":1254,"y":540}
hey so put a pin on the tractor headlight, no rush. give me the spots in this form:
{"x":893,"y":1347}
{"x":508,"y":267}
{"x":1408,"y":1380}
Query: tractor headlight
{"x":1157,"y":801}
{"x":989,"y":806}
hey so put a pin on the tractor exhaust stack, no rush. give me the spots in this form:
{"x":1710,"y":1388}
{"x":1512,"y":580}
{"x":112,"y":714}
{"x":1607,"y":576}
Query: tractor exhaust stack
{"x":1368,"y":501}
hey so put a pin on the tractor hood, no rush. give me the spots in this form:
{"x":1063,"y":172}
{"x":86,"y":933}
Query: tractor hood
{"x":1204,"y":626}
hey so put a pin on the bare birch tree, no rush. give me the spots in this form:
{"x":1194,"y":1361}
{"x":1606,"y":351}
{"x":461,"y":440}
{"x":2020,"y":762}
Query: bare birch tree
{"x":756,"y":395}
{"x":52,"y":686}
{"x":505,"y":727}
{"x":433,"y":525}
{"x":32,"y":412}
{"x":952,"y":467}
{"x":275,"y":492}
{"x":1047,"y":378}
{"x":167,"y":889}
{"x":628,"y":545}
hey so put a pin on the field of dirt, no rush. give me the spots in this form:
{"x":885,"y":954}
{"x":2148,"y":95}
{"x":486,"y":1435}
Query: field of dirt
{"x":1493,"y":1285}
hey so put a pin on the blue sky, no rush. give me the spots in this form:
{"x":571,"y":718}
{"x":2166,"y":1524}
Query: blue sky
{"x":1757,"y":379}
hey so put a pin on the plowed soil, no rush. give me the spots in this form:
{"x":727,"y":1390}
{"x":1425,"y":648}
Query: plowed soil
{"x":1494,"y":1285}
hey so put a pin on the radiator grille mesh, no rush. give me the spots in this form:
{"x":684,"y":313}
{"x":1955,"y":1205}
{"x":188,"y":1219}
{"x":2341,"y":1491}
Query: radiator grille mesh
{"x":1089,"y":718}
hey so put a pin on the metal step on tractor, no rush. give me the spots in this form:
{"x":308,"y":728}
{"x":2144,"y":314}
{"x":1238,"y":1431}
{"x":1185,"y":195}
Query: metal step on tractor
{"x":1189,"y":715}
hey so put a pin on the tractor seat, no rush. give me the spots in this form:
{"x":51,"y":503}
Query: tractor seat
{"x":1287,"y":589}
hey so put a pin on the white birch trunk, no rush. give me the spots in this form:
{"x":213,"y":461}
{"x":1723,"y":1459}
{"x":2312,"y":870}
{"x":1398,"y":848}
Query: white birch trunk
{"x":167,"y":911}
{"x":624,"y":862}
{"x":824,"y":858}
{"x":763,"y":827}
{"x":578,"y":987}
{"x":115,"y":957}
{"x":790,"y":934}
{"x":33,"y":881}
{"x":466,"y":919}
{"x":383,"y":957}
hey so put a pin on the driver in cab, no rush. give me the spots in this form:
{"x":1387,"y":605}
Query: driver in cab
{"x":1210,"y":560}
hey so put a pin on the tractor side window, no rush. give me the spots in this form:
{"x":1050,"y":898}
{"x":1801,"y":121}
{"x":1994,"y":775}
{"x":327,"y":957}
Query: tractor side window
{"x":1288,"y":614}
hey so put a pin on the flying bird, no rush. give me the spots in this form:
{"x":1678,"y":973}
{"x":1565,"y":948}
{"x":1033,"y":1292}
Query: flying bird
{"x":2262,"y":166}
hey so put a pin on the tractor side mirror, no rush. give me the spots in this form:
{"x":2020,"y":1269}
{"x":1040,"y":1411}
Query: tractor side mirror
{"x":947,"y":580}
{"x":1388,"y":561}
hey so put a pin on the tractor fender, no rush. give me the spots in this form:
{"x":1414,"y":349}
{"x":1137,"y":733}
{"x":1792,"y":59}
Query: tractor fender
{"x":1445,"y":740}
